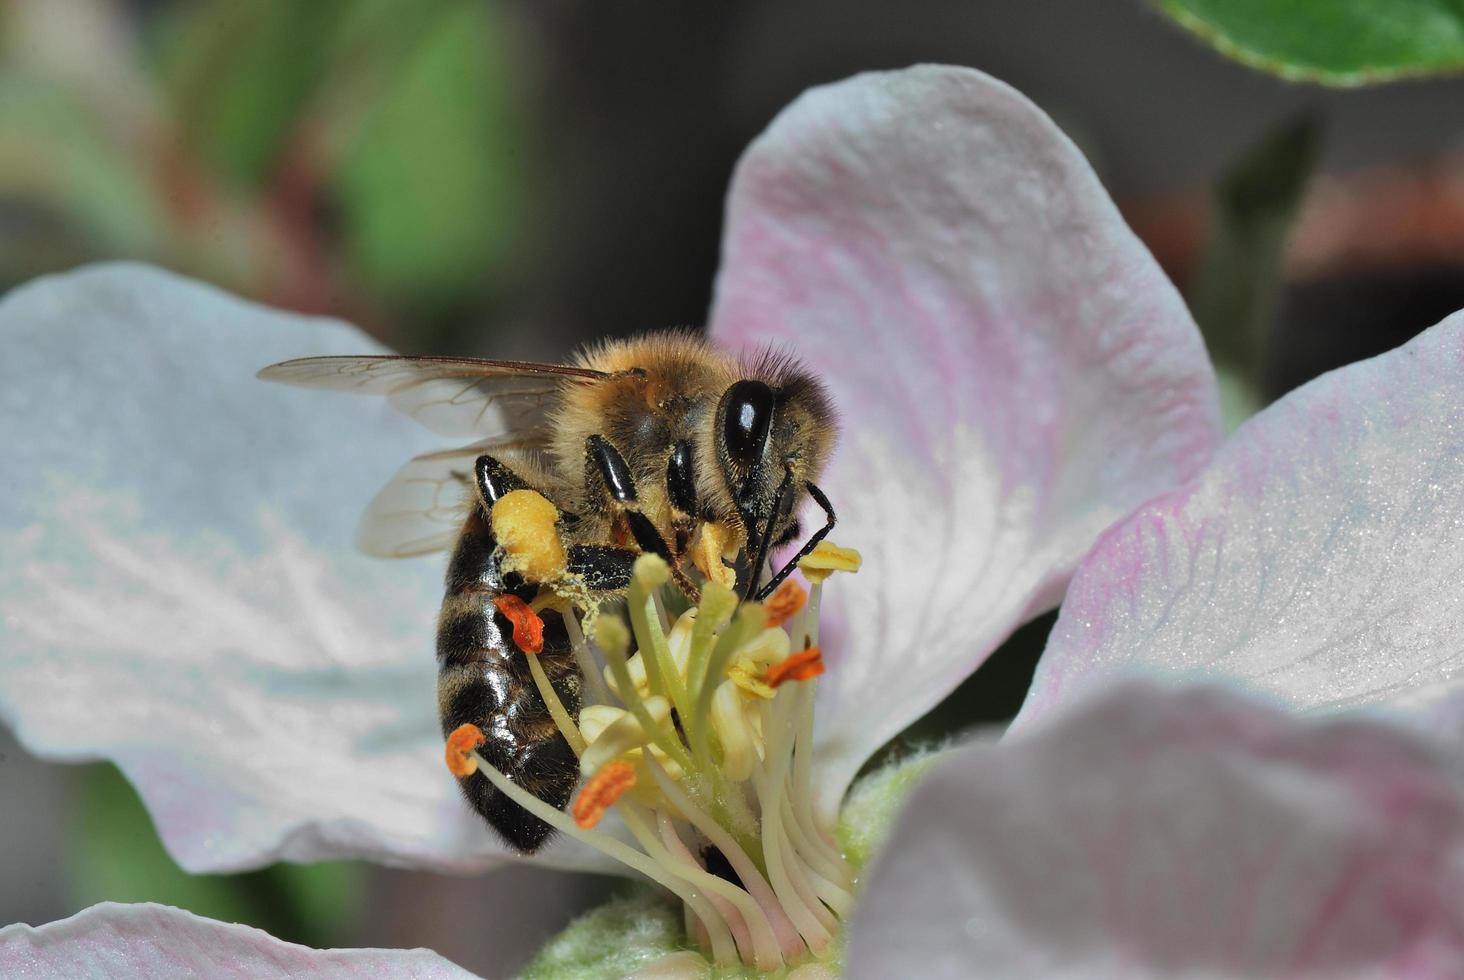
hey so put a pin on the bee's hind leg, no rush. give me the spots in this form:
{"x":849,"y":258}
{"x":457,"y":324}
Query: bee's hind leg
{"x":493,"y":478}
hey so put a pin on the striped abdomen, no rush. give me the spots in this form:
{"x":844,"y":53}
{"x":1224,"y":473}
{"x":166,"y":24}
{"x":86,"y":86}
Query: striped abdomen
{"x":484,"y":680}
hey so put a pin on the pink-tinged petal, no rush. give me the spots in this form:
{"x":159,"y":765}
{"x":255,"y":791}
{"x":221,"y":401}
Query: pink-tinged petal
{"x":180,"y":592}
{"x":1012,"y":370}
{"x":146,"y":942}
{"x":1158,"y":834}
{"x":1318,"y":558}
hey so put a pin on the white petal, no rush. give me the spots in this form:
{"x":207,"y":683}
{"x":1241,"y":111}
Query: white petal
{"x":1012,"y":369}
{"x":149,"y":942}
{"x":180,"y":593}
{"x":1318,"y":558}
{"x":1164,"y":834}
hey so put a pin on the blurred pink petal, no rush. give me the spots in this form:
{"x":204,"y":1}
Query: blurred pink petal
{"x":120,"y":942}
{"x":1160,"y":834}
{"x":1320,"y":558}
{"x":180,"y":592}
{"x":1013,"y":370}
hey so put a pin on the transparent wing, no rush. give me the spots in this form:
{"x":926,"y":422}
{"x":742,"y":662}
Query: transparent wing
{"x":452,"y":396}
{"x":422,"y":509}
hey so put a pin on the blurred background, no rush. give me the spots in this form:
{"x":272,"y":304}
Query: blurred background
{"x":513,"y":178}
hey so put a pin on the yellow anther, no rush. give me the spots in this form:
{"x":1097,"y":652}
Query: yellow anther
{"x":718,"y":603}
{"x":524,"y":524}
{"x":747,"y":674}
{"x":611,"y":634}
{"x":614,"y":733}
{"x":730,"y":719}
{"x":828,"y":558}
{"x":651,"y":571}
{"x":767,"y":647}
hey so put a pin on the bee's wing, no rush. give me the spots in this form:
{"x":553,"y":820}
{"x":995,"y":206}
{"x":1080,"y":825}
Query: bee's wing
{"x":452,"y":396}
{"x":421,"y":510}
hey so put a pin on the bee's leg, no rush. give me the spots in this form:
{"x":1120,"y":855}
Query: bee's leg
{"x":602,"y":567}
{"x":808,"y":546}
{"x":493,"y":479}
{"x":484,"y":677}
{"x":606,"y":464}
{"x":681,"y":493}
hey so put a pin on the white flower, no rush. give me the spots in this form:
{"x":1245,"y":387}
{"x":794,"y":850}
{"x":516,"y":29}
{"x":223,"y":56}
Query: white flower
{"x":1014,"y":374}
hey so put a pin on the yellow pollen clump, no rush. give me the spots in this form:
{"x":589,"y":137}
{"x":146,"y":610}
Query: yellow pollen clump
{"x":828,"y":558}
{"x":523,"y":522}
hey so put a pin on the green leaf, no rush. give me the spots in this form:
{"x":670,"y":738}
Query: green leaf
{"x":1333,"y":42}
{"x":117,"y":857}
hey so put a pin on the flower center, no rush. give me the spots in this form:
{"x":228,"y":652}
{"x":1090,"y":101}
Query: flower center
{"x":698,"y":732}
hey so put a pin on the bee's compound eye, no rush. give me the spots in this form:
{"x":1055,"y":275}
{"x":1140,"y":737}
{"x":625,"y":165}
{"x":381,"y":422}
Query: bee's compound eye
{"x":748,"y":417}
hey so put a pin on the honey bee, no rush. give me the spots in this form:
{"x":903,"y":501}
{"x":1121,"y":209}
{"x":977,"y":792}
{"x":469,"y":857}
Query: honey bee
{"x":658,"y":444}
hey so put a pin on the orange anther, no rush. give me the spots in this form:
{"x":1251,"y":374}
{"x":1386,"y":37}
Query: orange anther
{"x":799,"y":667}
{"x":460,"y":745}
{"x":785,"y":602}
{"x":528,"y":628}
{"x":603,"y":789}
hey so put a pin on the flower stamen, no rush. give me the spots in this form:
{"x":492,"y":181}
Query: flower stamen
{"x":800,"y":666}
{"x":603,"y":789}
{"x":528,"y":628}
{"x":690,"y":729}
{"x":460,"y":753}
{"x":785,"y":602}
{"x":826,"y":559}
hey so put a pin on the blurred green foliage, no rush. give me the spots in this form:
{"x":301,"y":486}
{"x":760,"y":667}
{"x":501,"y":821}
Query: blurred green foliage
{"x":363,"y":157}
{"x":1236,"y":290}
{"x":1333,"y":42}
{"x":116,"y":856}
{"x":432,"y":186}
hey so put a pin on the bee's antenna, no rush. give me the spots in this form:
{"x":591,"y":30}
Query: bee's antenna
{"x":808,"y":546}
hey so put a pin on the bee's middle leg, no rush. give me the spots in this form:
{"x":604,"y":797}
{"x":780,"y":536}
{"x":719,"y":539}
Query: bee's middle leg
{"x":605,"y":463}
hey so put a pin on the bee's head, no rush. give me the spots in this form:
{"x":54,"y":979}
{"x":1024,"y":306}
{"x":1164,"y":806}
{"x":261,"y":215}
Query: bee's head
{"x":774,"y":431}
